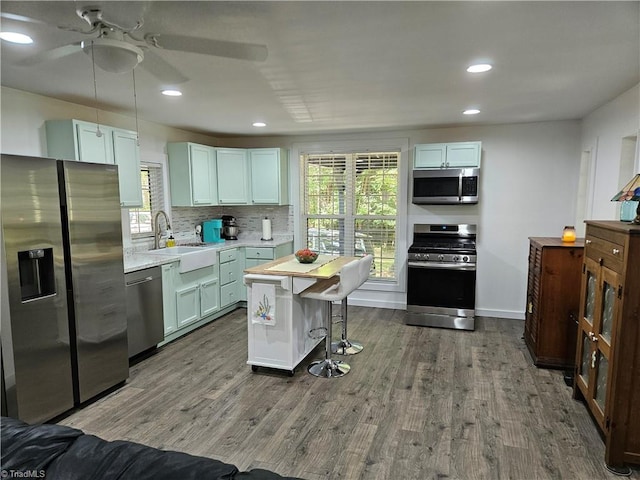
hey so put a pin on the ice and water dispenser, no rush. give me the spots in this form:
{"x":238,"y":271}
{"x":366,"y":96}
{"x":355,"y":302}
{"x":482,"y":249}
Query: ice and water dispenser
{"x":37,"y":277}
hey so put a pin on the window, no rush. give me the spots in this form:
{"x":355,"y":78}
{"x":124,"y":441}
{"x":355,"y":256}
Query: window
{"x":141,"y":219}
{"x":350,"y":206}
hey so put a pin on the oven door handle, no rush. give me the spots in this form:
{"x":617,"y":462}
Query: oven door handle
{"x":444,"y":266}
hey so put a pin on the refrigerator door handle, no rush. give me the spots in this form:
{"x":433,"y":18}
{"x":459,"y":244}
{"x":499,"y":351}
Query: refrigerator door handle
{"x":39,"y":298}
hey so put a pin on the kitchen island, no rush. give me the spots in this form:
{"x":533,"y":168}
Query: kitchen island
{"x":282,"y":327}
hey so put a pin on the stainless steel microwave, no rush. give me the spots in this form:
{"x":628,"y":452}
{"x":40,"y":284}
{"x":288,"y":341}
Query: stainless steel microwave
{"x":446,"y":186}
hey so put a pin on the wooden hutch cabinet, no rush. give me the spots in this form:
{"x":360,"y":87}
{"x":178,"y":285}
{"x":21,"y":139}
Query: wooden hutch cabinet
{"x":607,"y":373}
{"x":553,"y":301}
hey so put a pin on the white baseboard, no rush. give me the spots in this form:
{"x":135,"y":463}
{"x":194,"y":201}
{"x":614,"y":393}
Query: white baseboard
{"x":511,"y":314}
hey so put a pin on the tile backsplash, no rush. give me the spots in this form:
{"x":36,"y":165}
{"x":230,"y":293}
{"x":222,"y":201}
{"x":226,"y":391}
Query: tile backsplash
{"x":249,"y":218}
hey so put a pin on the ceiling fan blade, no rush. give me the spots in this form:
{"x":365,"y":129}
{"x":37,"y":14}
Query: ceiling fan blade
{"x":205,"y":46}
{"x":20,"y":18}
{"x":49,"y":55}
{"x":159,"y":68}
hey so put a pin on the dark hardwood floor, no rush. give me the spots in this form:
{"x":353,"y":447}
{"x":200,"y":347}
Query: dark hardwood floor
{"x":419,"y":403}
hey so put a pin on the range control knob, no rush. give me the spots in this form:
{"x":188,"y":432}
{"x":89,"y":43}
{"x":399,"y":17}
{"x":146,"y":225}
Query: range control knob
{"x":441,"y":257}
{"x":465,"y":259}
{"x":456,"y":258}
{"x":426,"y":256}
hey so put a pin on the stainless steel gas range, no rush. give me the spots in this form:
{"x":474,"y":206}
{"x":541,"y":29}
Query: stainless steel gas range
{"x":441,"y":283}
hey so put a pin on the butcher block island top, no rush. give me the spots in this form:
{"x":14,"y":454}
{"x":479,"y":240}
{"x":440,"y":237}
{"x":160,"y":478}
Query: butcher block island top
{"x":326,"y":266}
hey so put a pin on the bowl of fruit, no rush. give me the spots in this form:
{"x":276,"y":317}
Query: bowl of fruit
{"x":306,"y":256}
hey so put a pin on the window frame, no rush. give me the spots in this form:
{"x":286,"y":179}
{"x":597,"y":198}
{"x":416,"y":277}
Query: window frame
{"x":400,"y":145}
{"x":154,"y":208}
{"x":348,"y":226}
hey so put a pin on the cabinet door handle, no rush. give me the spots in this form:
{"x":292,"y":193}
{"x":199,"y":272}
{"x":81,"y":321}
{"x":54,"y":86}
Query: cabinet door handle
{"x":593,"y":360}
{"x":587,"y":241}
{"x":615,"y":251}
{"x":593,"y":337}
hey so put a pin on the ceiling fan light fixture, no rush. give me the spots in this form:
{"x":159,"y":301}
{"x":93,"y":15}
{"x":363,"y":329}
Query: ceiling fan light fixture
{"x":15,"y":37}
{"x":113,"y":56}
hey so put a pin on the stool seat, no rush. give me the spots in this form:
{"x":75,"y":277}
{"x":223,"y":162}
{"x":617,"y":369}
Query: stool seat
{"x":335,"y":289}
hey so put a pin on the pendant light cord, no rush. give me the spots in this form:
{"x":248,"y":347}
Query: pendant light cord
{"x":95,"y":91}
{"x":135,"y":106}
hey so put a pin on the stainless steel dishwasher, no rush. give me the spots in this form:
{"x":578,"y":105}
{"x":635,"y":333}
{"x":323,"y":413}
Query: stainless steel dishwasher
{"x":145,"y":325}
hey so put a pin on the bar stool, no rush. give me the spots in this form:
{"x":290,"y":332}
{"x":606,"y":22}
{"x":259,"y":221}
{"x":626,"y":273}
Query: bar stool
{"x":344,"y":346}
{"x":330,"y":291}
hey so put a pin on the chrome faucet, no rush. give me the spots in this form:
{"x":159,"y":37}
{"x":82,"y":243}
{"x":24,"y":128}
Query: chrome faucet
{"x":156,"y":228}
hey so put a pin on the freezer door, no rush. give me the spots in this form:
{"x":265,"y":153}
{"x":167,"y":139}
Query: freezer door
{"x":97,"y":272}
{"x":36,"y":354}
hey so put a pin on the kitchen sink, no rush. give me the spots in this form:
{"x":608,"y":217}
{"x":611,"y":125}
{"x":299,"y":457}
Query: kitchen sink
{"x":177,"y":250}
{"x":191,"y":257}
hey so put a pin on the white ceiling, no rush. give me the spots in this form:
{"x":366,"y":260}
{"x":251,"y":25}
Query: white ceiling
{"x":348,"y":66}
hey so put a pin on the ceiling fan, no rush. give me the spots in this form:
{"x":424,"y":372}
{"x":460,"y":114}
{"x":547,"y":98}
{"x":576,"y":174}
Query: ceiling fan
{"x":119,"y":49}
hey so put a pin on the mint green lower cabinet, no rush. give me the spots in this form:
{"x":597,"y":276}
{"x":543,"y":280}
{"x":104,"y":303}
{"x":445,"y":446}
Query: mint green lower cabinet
{"x":169,"y":298}
{"x":190,"y":299}
{"x":230,"y":277}
{"x":188,"y":305}
{"x":255,"y":256}
{"x":195,"y":298}
{"x":209,"y":297}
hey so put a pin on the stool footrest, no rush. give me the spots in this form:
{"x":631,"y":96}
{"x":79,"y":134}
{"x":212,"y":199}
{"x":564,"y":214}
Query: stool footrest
{"x":345,"y":347}
{"x":328,"y":368}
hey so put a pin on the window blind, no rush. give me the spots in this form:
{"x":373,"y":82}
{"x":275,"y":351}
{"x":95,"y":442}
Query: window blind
{"x":350,"y":206}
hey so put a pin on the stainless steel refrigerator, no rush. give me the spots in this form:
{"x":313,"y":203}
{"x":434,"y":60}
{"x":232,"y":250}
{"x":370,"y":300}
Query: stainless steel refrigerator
{"x":63,"y":325}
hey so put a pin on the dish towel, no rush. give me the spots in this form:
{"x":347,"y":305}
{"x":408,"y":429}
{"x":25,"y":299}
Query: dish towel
{"x":263,"y":303}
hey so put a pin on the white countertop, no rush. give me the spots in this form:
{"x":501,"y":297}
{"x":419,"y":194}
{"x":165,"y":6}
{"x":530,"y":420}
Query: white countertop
{"x":141,"y":260}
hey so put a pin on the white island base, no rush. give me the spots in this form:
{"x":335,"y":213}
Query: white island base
{"x":298,"y":329}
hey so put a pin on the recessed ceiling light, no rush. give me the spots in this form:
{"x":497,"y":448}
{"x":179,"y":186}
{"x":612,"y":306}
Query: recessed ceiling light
{"x":15,"y":37}
{"x":259,"y":124}
{"x":471,"y":111}
{"x":479,"y":68}
{"x":172,"y":93}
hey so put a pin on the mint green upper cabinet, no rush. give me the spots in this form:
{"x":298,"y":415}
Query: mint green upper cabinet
{"x":431,"y":155}
{"x":192,"y":174}
{"x":233,"y":176}
{"x":94,"y":148}
{"x":447,"y":155}
{"x":269,"y":171}
{"x":81,"y":141}
{"x":463,"y":154}
{"x":77,"y":140}
{"x":127,"y":156}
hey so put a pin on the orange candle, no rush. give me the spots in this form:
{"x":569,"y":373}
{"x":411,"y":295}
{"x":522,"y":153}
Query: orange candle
{"x":569,"y":234}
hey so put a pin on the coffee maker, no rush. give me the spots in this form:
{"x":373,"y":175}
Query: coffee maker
{"x":229,"y":227}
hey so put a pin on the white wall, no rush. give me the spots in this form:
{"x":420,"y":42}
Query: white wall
{"x":603,"y":131}
{"x":529,"y":177}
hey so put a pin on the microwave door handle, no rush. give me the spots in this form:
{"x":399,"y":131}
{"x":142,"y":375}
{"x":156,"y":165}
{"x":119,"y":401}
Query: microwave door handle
{"x":460,"y":187}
